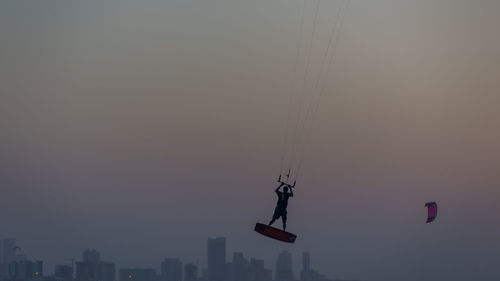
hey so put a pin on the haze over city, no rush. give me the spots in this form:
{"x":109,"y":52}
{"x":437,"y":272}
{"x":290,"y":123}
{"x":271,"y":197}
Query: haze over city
{"x":141,"y":128}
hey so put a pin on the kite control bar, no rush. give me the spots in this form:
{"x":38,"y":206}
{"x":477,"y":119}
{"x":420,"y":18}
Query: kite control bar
{"x":286,"y":183}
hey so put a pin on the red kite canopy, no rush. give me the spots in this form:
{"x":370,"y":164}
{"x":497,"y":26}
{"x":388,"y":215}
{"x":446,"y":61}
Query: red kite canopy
{"x":432,"y":211}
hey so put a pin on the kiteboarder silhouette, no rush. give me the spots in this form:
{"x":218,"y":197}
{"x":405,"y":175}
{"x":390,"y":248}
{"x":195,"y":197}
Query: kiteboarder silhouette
{"x":282,"y":204}
{"x":279,"y":212}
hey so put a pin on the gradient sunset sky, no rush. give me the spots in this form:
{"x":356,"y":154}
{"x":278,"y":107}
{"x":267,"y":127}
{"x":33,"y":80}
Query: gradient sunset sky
{"x":141,"y":128}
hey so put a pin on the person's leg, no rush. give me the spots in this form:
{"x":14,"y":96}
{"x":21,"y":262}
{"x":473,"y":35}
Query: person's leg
{"x":283,"y":217}
{"x":275,"y":216}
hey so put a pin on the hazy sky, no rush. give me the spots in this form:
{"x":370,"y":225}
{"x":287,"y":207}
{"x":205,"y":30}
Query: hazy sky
{"x":140,"y":128}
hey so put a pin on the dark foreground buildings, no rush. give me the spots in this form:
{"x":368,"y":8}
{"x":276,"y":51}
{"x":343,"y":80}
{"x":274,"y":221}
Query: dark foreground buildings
{"x":93,"y":269}
{"x":15,"y":266}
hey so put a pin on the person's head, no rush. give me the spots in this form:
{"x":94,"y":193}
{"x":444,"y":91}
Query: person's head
{"x":285,"y":189}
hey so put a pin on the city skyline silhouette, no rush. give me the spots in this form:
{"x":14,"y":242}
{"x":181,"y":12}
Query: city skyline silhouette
{"x":219,"y":267}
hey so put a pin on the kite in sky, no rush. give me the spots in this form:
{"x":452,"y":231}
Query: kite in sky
{"x":432,"y":211}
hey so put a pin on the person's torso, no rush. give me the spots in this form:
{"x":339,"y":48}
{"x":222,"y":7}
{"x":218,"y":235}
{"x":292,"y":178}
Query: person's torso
{"x":283,"y":199}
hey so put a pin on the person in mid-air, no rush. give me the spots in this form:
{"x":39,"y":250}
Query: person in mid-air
{"x":280,"y":210}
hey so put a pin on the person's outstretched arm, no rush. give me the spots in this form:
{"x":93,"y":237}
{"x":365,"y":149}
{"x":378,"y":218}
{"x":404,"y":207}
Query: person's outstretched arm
{"x":278,"y":188}
{"x":291,"y":191}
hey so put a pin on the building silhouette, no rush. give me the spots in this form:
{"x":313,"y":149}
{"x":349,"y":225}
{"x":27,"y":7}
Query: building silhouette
{"x":8,"y":250}
{"x":91,"y":256}
{"x":241,"y":267}
{"x":24,"y":270}
{"x":258,"y":272}
{"x":305,"y":274}
{"x":63,"y":272}
{"x":171,"y":269}
{"x":229,"y":272}
{"x":308,"y":273}
{"x":204,"y":274}
{"x":190,"y":272}
{"x":284,"y":270}
{"x":93,"y":269}
{"x":7,"y":255}
{"x":216,"y":258}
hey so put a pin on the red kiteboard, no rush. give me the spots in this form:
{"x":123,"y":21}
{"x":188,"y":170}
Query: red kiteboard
{"x":275,"y":233}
